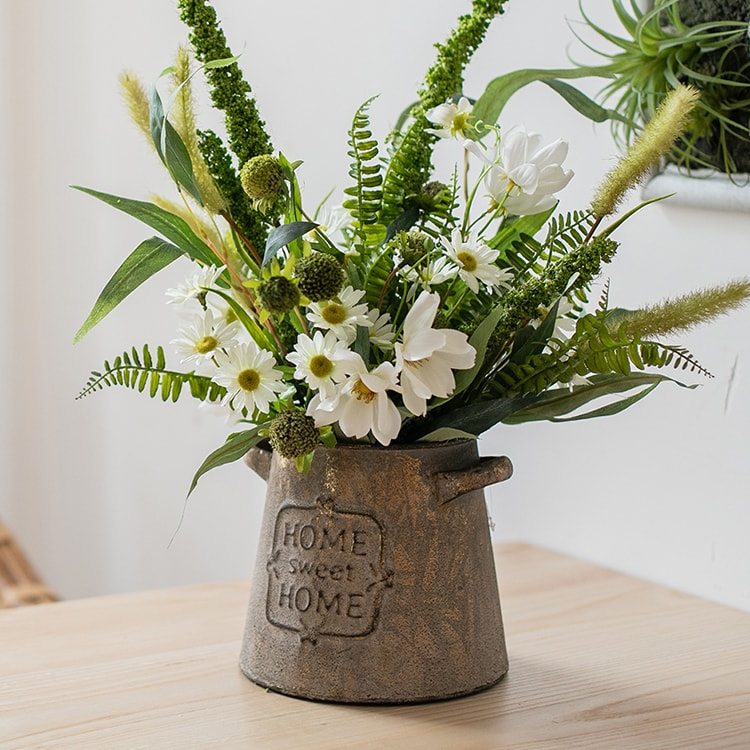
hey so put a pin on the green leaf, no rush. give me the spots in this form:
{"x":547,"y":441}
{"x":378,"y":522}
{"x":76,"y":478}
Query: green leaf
{"x":530,"y":340}
{"x":473,"y":418}
{"x":492,"y":102}
{"x":221,"y":62}
{"x":446,"y":433}
{"x":235,"y":447}
{"x":554,"y":404}
{"x":478,"y":340}
{"x":172,"y":151}
{"x":171,"y":226}
{"x":582,"y":104}
{"x":149,"y":257}
{"x":283,"y":235}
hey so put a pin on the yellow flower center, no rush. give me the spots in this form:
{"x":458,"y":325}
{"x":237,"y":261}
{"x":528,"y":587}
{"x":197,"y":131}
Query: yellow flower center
{"x":320,"y":365}
{"x":333,"y":313}
{"x":206,"y":344}
{"x":248,"y":380}
{"x":362,"y":392}
{"x":467,"y":261}
{"x":460,"y":123}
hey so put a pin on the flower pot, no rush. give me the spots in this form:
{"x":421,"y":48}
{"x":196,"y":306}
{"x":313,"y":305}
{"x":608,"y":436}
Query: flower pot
{"x":375,"y":580}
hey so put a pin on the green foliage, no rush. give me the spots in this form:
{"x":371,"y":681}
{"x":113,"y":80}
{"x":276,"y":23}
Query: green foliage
{"x":233,"y":449}
{"x":149,"y":257}
{"x":230,"y":92}
{"x":171,"y":226}
{"x":244,"y":219}
{"x":366,"y":193}
{"x":144,"y":373}
{"x":411,"y":161}
{"x":594,"y":348}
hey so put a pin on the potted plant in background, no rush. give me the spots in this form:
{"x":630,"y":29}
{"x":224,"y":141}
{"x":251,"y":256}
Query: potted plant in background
{"x":364,"y":347}
{"x":667,"y":43}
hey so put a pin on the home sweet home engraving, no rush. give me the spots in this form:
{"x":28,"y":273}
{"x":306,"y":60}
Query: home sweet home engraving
{"x":325,"y":572}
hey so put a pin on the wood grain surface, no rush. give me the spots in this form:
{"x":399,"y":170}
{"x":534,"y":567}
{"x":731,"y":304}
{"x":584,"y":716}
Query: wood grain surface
{"x":598,"y":660}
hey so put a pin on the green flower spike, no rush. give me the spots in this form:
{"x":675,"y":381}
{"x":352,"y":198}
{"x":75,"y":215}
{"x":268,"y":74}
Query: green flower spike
{"x":293,"y":434}
{"x":319,"y":276}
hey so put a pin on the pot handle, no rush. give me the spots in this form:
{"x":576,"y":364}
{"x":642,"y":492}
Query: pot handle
{"x":258,"y":458}
{"x":453,"y":484}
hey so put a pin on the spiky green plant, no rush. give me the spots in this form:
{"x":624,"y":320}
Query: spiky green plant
{"x":656,"y":51}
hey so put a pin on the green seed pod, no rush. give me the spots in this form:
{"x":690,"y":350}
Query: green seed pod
{"x":293,"y":434}
{"x":413,"y":246}
{"x":263,"y":180}
{"x":319,"y":276}
{"x":278,"y":295}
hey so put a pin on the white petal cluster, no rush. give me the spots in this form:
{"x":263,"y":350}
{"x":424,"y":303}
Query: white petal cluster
{"x":361,"y":405}
{"x":357,"y":398}
{"x":524,"y":174}
{"x":426,"y":357}
{"x":204,"y":337}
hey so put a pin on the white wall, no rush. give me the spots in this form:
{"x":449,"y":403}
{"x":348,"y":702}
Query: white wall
{"x":95,"y":489}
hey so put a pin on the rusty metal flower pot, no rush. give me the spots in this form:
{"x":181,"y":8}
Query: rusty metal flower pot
{"x":375,"y":580}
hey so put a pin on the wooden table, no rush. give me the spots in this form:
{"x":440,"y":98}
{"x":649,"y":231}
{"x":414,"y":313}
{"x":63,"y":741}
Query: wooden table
{"x":598,"y":660}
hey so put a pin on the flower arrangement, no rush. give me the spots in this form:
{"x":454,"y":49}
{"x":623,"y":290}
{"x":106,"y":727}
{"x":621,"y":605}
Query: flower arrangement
{"x":425,"y":307}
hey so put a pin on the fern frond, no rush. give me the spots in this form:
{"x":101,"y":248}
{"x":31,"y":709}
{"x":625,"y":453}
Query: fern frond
{"x":142,"y":372}
{"x":594,"y":348}
{"x":366,"y":192}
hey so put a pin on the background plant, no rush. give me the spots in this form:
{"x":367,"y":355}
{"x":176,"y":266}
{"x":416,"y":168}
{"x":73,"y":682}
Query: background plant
{"x":681,"y":42}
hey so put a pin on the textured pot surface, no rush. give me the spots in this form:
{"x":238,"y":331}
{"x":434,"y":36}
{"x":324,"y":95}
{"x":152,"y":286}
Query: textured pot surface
{"x":375,"y":580}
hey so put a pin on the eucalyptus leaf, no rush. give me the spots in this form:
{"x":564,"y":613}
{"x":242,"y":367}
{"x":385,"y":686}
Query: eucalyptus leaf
{"x":235,"y":447}
{"x":149,"y":257}
{"x":221,"y":62}
{"x":514,"y":229}
{"x":283,"y":235}
{"x":402,"y":223}
{"x":530,"y":340}
{"x":554,"y":404}
{"x":174,"y":228}
{"x":172,"y":151}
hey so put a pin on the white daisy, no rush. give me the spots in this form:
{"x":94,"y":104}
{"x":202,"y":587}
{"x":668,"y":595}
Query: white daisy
{"x":200,"y":341}
{"x":195,"y":286}
{"x":565,"y":325}
{"x":341,"y":315}
{"x":249,"y":375}
{"x":426,"y":357}
{"x":475,"y":261}
{"x":453,"y":119}
{"x":381,"y":330}
{"x":430,"y":274}
{"x":321,"y":361}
